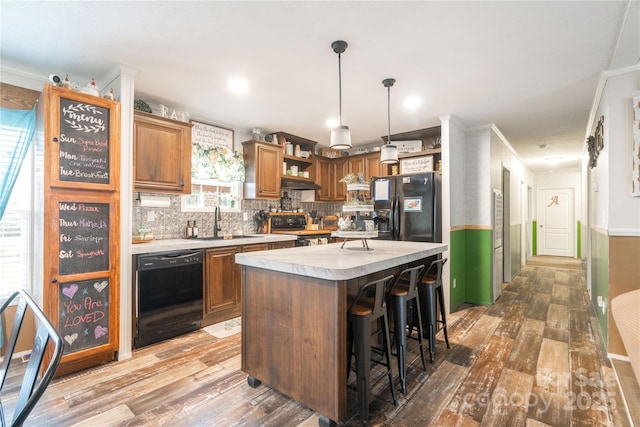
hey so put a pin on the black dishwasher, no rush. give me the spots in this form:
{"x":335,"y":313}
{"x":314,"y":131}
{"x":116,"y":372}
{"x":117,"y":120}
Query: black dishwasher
{"x":168,"y":295}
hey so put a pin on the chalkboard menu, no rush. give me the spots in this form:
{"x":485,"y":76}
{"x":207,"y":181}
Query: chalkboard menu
{"x":84,"y":314}
{"x":83,"y":237}
{"x":84,"y":142}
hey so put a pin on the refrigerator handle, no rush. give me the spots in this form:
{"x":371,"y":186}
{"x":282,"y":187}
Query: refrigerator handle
{"x":396,"y":218}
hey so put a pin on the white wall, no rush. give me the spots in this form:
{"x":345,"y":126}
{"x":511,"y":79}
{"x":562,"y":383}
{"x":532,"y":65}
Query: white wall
{"x":624,"y":209}
{"x":477,"y":191}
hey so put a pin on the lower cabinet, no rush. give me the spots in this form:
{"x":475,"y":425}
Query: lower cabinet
{"x":223,"y":282}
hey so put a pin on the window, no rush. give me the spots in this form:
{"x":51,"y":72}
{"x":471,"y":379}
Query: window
{"x":206,"y":195}
{"x":15,"y":225}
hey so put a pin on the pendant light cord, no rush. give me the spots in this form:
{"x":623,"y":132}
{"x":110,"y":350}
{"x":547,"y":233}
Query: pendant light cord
{"x":340,"y":87}
{"x":389,"y":114}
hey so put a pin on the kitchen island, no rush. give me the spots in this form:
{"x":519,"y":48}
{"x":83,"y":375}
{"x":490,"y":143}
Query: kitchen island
{"x":294,"y":314}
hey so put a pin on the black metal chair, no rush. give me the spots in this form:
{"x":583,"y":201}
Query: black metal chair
{"x":431,"y":291}
{"x":366,"y":307}
{"x":403,"y":296}
{"x":34,"y":381}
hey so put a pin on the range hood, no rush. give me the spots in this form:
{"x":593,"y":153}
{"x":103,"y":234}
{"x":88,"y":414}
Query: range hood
{"x":295,"y":184}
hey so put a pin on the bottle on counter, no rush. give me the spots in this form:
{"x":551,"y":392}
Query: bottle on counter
{"x":194,"y":229}
{"x":188,"y":232}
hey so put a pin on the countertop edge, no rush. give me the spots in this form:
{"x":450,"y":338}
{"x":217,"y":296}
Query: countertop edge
{"x":290,"y":265}
{"x":163,"y":245}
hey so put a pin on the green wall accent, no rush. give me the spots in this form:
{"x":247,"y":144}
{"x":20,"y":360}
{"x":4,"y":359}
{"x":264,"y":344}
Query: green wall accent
{"x":471,"y":252}
{"x":579,"y":240}
{"x":457,"y":268}
{"x":600,"y":279}
{"x":534,"y":238}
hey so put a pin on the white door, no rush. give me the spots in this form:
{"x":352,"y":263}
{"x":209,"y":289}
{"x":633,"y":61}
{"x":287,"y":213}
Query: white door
{"x":556,"y":222}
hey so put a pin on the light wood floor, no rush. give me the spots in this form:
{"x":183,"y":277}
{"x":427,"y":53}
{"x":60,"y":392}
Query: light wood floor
{"x":534,"y":358}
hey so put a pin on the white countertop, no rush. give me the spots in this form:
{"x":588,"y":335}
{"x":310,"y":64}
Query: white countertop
{"x":332,"y":263}
{"x":180,"y":244}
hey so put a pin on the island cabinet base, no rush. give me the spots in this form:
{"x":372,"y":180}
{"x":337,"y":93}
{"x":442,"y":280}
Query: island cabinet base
{"x":294,"y":335}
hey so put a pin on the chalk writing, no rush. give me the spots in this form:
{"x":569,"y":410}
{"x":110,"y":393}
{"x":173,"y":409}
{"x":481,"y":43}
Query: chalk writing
{"x":84,"y":314}
{"x":83,"y":237}
{"x":84,"y":143}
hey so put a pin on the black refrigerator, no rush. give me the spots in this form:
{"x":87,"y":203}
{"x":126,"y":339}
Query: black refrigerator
{"x":407,"y":207}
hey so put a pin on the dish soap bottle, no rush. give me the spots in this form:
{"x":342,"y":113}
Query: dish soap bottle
{"x":188,"y":232}
{"x":194,"y":233}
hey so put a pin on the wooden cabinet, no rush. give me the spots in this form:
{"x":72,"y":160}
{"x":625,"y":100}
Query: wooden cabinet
{"x":323,"y":177}
{"x":339,"y":167}
{"x":223,"y":281}
{"x":222,"y":276}
{"x":79,"y":221}
{"x":283,"y":245}
{"x":328,"y":173}
{"x":263,"y":170}
{"x":161,"y":154}
{"x":373,"y":167}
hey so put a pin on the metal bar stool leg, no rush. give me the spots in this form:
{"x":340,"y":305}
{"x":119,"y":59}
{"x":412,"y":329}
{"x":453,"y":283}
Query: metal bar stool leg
{"x":363,"y":362}
{"x":443,"y":314}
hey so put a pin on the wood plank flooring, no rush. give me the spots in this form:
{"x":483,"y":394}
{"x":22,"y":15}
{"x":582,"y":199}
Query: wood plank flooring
{"x":532,"y":359}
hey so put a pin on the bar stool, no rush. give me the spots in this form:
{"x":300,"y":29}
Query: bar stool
{"x":366,"y":307}
{"x":404,"y":293}
{"x":431,"y":290}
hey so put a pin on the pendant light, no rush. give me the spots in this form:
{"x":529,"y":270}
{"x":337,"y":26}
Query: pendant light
{"x":389,"y":152}
{"x":340,"y":135}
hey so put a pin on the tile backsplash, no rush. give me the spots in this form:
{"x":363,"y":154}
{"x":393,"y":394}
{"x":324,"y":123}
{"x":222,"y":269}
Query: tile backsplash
{"x":170,"y":222}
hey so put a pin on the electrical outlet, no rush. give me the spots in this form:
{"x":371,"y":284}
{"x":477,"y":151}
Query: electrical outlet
{"x":245,"y":216}
{"x":151,"y":216}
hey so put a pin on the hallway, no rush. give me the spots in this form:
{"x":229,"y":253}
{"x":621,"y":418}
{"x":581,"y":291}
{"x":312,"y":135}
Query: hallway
{"x":534,"y":358}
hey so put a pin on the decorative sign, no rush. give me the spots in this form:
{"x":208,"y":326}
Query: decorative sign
{"x":211,"y":136}
{"x":212,"y":155}
{"x":84,"y":142}
{"x":412,"y":146}
{"x":416,"y":165}
{"x":84,"y":314}
{"x":83,"y":237}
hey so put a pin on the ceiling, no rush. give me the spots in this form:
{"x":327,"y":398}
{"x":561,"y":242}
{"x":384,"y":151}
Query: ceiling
{"x":530,"y":68}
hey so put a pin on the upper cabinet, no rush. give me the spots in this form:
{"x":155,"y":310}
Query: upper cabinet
{"x":269,"y":166}
{"x":297,"y":156}
{"x":161,"y":154}
{"x":263,"y":168}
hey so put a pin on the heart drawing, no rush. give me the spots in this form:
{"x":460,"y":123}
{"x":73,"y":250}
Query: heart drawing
{"x":70,"y":291}
{"x":70,"y":338}
{"x":100,"y":286}
{"x":100,"y":331}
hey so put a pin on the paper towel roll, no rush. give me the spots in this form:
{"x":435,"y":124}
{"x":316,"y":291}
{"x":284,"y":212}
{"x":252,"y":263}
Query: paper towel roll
{"x":155,"y":202}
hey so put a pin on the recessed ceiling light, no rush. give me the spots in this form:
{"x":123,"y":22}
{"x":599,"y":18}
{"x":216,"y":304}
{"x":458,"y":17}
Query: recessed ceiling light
{"x":553,"y":160}
{"x":238,"y":85}
{"x":331,"y":123}
{"x":412,"y":102}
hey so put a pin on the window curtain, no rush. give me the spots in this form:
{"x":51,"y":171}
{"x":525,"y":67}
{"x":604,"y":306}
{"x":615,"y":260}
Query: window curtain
{"x":16,"y":130}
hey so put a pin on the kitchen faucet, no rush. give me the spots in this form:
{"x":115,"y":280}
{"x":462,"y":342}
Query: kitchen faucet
{"x":217,"y":216}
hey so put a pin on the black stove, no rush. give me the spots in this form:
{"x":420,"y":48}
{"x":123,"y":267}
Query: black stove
{"x":295,"y":223}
